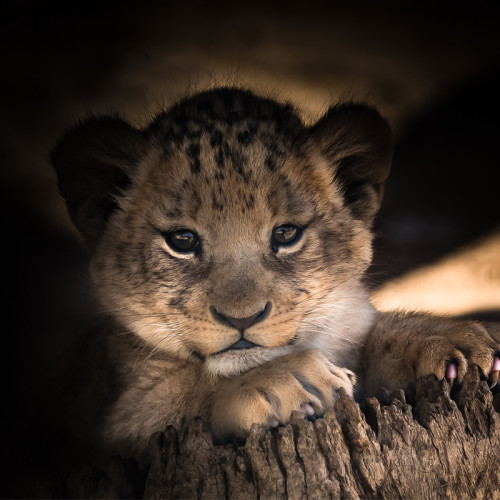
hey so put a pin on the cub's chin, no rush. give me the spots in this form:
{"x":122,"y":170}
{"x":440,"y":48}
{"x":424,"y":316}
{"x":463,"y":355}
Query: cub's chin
{"x":236,"y":361}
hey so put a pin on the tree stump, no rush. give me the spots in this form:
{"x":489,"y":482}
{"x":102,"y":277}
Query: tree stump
{"x":439,"y":447}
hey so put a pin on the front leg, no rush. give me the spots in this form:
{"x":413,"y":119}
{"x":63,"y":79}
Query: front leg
{"x":304,"y":381}
{"x":403,"y":347}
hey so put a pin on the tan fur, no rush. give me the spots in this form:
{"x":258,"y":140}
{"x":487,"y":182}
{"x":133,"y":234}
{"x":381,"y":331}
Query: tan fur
{"x":402,"y":347}
{"x":231,"y":167}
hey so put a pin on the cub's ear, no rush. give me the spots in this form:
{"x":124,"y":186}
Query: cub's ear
{"x":357,"y":142}
{"x":94,"y":162}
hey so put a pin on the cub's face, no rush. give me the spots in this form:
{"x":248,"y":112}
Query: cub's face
{"x":228,"y":231}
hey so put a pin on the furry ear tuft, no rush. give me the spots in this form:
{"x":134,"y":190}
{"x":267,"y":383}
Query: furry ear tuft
{"x":357,"y":142}
{"x":94,"y":162}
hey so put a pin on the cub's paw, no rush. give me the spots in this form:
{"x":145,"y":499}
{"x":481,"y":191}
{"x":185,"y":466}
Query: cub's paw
{"x":402,"y":348}
{"x":449,"y":354}
{"x":306,"y":382}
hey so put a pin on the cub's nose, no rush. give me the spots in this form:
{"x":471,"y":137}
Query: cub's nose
{"x":241,"y":324}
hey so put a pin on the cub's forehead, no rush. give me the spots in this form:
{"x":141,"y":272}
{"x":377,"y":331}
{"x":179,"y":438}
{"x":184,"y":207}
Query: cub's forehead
{"x":230,"y":152}
{"x":232,"y":128}
{"x":226,"y":108}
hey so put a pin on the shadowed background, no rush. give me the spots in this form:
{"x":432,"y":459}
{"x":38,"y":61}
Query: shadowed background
{"x":432,"y":68}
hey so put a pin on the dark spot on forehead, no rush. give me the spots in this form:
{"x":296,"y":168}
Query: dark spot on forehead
{"x":285,"y":183}
{"x":270,"y":162}
{"x":242,"y":173}
{"x":233,"y":117}
{"x":227,"y":99}
{"x":244,"y":137}
{"x":248,"y":201}
{"x":193,"y":154}
{"x":193,"y":135}
{"x":219,"y":158}
{"x":216,"y":138}
{"x":204,"y":107}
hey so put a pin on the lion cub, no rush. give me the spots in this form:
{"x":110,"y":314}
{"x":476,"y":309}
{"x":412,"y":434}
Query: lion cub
{"x":228,"y":244}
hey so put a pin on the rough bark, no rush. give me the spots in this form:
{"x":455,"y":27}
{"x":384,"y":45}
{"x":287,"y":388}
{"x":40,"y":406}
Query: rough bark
{"x":439,"y":447}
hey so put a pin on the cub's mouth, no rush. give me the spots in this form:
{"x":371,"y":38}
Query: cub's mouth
{"x":242,"y":356}
{"x":241,"y":344}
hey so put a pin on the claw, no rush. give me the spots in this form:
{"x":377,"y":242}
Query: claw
{"x":495,"y":372}
{"x":274,"y":423}
{"x":496,"y":364}
{"x":308,"y":409}
{"x":451,"y":373}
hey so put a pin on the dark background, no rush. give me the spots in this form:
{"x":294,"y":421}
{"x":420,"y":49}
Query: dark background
{"x":433,"y":68}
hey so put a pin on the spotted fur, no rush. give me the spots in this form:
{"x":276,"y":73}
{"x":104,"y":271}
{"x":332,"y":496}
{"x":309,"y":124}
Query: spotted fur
{"x":230,"y":167}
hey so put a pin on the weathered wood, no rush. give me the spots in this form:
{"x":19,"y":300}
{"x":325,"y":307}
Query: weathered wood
{"x":440,"y":447}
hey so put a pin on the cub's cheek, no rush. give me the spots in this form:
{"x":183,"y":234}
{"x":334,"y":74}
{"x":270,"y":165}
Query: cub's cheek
{"x":276,"y":332}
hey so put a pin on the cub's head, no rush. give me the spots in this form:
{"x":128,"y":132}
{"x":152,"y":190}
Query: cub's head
{"x":228,"y":231}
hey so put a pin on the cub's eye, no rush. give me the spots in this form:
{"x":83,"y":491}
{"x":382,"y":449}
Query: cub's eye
{"x":183,"y":241}
{"x":285,"y":235}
